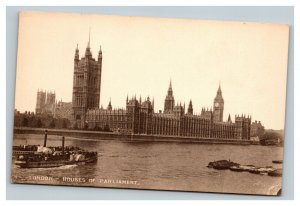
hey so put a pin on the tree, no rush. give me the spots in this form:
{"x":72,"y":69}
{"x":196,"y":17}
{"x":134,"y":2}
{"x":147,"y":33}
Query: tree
{"x":39,"y":123}
{"x":64,"y":124}
{"x":86,"y":126}
{"x":75,"y":126}
{"x":270,"y":135}
{"x":25,"y":122}
{"x":106,"y":128}
{"x":270,"y":138}
{"x":52,"y":124}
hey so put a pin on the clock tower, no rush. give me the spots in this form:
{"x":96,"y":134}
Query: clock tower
{"x":218,"y":106}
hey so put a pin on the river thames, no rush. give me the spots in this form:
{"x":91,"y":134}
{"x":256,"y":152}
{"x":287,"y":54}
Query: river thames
{"x":157,"y":165}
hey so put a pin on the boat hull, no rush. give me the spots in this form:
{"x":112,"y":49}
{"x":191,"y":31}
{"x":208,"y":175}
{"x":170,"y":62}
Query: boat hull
{"x":51,"y":164}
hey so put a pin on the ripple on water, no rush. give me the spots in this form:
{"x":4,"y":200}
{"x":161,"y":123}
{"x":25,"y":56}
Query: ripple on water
{"x":165,"y":165}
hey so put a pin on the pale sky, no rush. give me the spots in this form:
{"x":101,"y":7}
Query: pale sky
{"x":142,"y":54}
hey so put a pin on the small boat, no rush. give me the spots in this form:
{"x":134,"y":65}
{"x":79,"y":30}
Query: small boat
{"x":56,"y":160}
{"x":277,"y":161}
{"x":275,"y":173}
{"x":31,"y":149}
{"x":47,"y":157}
{"x":222,"y":164}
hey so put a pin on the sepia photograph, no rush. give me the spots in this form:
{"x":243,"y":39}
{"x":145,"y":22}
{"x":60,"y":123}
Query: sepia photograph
{"x":150,"y":103}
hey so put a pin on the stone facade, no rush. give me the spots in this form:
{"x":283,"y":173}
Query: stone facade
{"x":45,"y":102}
{"x":169,"y":101}
{"x":257,"y":129}
{"x":139,"y":118}
{"x":218,"y":106}
{"x":86,"y":85}
{"x":63,"y":110}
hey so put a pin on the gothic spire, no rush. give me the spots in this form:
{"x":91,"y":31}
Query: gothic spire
{"x":219,"y":94}
{"x":190,"y":108}
{"x":76,"y":53}
{"x":170,"y":90}
{"x":219,"y":90}
{"x":153,"y":103}
{"x":88,"y":48}
{"x":89,"y":38}
{"x":169,"y":100}
{"x":100,"y":53}
{"x":229,"y":118}
{"x":170,"y":85}
{"x":109,"y":107}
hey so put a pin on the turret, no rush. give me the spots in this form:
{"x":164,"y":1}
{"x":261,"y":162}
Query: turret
{"x":153,"y":103}
{"x":109,"y":107}
{"x":169,"y":100}
{"x":87,"y":74}
{"x":218,"y":106}
{"x":229,"y":119}
{"x":170,"y":90}
{"x":88,"y":53}
{"x":76,"y":58}
{"x":100,"y":55}
{"x":190,"y":108}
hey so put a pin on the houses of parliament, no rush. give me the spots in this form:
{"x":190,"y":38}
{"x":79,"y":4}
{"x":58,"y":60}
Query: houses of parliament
{"x":139,"y":117}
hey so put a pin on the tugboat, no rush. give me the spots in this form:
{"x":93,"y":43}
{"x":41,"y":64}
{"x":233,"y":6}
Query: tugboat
{"x":48,"y":157}
{"x":30,"y":149}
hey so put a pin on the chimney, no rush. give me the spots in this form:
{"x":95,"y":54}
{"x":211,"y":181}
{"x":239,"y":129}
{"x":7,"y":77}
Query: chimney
{"x":45,"y":139}
{"x":63,"y":145}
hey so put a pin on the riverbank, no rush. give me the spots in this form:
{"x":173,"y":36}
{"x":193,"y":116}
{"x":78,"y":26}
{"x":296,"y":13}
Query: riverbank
{"x":99,"y":135}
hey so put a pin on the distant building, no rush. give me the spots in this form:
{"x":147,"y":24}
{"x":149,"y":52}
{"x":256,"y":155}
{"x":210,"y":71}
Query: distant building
{"x":257,"y":129}
{"x":139,"y":118}
{"x":63,"y":110}
{"x":45,"y":102}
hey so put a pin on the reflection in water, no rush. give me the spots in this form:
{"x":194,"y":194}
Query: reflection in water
{"x":157,"y":165}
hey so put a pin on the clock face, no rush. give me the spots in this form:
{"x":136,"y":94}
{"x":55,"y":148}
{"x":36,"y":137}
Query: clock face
{"x":216,"y":104}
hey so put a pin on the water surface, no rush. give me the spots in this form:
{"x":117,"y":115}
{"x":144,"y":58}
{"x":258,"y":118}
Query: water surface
{"x":158,"y":165}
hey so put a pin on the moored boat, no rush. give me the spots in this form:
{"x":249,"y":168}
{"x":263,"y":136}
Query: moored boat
{"x":275,"y":173}
{"x":224,"y":164}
